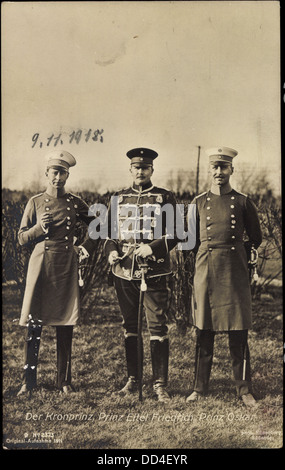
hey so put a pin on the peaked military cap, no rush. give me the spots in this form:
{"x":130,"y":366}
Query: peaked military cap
{"x":221,"y":154}
{"x":142,"y":155}
{"x":60,"y":158}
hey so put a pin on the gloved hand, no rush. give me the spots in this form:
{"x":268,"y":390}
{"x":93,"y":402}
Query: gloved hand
{"x":143,"y":250}
{"x":82,"y":253}
{"x":113,"y":256}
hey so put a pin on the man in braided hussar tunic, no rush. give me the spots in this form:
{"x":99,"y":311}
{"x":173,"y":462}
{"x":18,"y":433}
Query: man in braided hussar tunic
{"x":143,"y":233}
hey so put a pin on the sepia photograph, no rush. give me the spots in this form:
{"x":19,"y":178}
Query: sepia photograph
{"x":142,"y":295}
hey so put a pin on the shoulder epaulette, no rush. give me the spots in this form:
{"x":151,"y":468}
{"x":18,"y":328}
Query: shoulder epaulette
{"x":37,"y":195}
{"x":74,"y":195}
{"x":161,"y":188}
{"x":202,"y":194}
{"x":242,"y":194}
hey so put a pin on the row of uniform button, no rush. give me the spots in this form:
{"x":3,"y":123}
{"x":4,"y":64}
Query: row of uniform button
{"x":232,"y":248}
{"x":68,"y":220}
{"x":68,"y":217}
{"x":233,"y":222}
{"x":65,"y":238}
{"x":66,"y":247}
{"x":68,"y":200}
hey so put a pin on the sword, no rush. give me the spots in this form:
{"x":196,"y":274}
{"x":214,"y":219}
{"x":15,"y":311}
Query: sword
{"x":143,"y":266}
{"x":80,"y":279}
{"x":253,"y":264}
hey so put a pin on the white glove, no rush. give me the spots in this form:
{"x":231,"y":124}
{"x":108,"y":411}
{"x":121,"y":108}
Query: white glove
{"x":143,"y":250}
{"x":83,"y":253}
{"x":113,"y":256}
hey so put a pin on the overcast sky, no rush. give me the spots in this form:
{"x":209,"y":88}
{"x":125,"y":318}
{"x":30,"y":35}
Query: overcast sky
{"x":165,"y":75}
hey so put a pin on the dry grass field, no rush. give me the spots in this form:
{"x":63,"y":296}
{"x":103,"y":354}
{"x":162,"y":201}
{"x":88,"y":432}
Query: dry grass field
{"x":94,"y":417}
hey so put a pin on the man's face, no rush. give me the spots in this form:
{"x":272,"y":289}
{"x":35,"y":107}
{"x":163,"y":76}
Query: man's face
{"x":221,"y":173}
{"x":141,"y":173}
{"x":57,"y":176}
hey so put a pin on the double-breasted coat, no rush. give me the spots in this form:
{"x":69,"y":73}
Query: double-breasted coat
{"x":221,"y":298}
{"x":52,"y":290}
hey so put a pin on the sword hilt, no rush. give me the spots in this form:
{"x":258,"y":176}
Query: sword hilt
{"x":143,"y":266}
{"x":253,"y":263}
{"x":80,"y":280}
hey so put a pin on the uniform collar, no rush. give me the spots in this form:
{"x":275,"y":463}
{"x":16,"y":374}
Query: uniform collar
{"x":142,"y":188}
{"x":55,"y":192}
{"x":221,"y":190}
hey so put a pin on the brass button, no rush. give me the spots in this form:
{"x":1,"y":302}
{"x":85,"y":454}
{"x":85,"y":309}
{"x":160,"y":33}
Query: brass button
{"x":47,"y":208}
{"x":46,"y":200}
{"x":46,"y":247}
{"x":233,"y":237}
{"x":68,"y":208}
{"x":68,"y":218}
{"x":67,"y":228}
{"x":208,"y":217}
{"x":66,"y":238}
{"x":46,"y":238}
{"x":208,"y":228}
{"x":208,"y":199}
{"x":210,"y":249}
{"x":232,"y":248}
{"x":68,"y":200}
{"x":209,"y":238}
{"x":232,"y":206}
{"x":208,"y":208}
{"x":233,"y":226}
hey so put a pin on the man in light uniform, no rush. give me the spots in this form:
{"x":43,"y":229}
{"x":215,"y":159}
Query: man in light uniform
{"x":52,"y":292}
{"x":140,"y":211}
{"x":221,"y":298}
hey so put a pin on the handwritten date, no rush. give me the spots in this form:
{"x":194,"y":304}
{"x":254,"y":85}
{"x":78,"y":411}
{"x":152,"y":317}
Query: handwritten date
{"x":75,"y":136}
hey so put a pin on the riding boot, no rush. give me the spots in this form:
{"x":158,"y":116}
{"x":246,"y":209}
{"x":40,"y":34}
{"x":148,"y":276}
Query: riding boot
{"x":203,"y":360}
{"x":131,"y":349}
{"x":64,"y":346}
{"x":240,"y":361}
{"x":160,"y":356}
{"x":31,"y":353}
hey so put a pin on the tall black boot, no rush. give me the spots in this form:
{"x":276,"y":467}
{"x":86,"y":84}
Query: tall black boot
{"x":240,"y":361}
{"x":203,"y":360}
{"x":160,"y":356}
{"x":31,"y":353}
{"x":203,"y":364}
{"x":64,"y":346}
{"x":131,"y":349}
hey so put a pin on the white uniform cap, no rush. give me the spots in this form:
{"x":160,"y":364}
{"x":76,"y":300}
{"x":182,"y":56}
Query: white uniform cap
{"x":60,"y":158}
{"x":221,"y":154}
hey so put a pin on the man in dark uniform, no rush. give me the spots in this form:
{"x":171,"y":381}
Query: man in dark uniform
{"x":139,"y":216}
{"x":52,"y":293}
{"x":221,"y":298}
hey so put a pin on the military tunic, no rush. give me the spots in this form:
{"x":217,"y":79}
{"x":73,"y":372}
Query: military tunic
{"x":52,"y":291}
{"x":221,"y":293}
{"x":138,"y":217}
